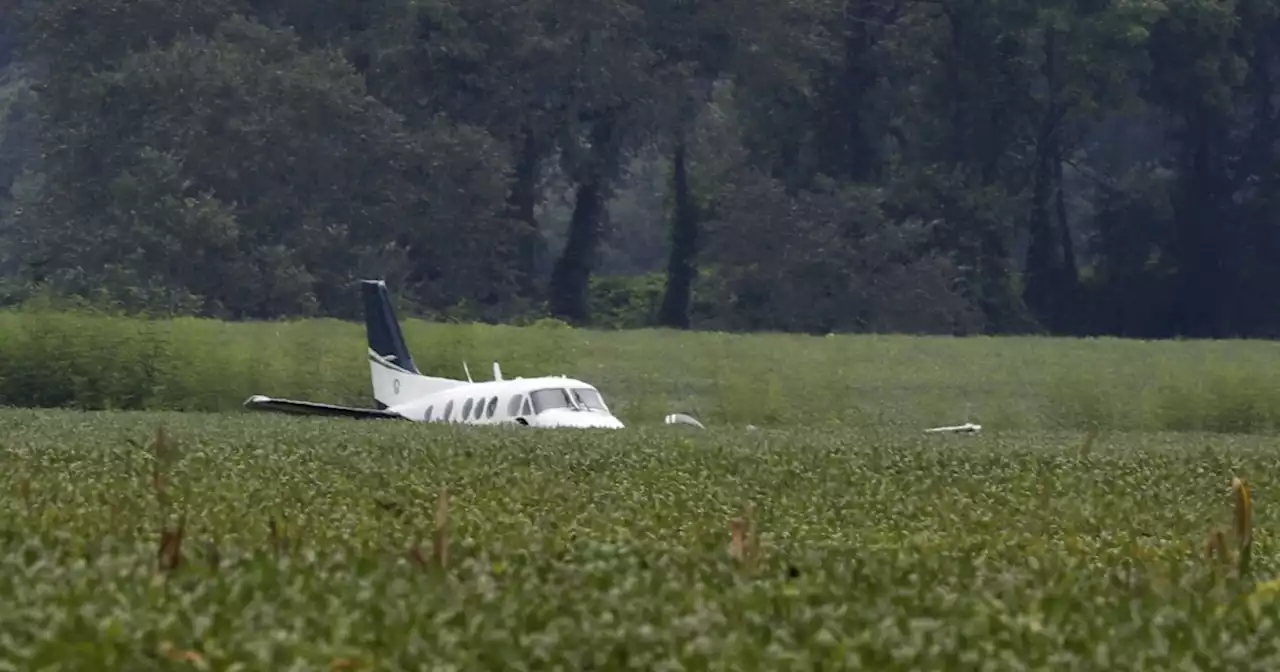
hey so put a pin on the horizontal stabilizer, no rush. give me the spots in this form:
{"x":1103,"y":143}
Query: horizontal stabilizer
{"x":259,"y":402}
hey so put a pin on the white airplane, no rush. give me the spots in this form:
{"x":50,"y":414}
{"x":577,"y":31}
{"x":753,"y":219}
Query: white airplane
{"x":401,"y":392}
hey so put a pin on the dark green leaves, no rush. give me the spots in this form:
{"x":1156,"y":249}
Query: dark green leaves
{"x":579,"y":550}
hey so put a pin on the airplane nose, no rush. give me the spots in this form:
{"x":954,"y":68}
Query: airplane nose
{"x":558,"y":418}
{"x":611,"y":422}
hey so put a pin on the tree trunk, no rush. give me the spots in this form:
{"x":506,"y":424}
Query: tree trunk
{"x":571,"y":277}
{"x":1200,"y":230}
{"x":1050,"y":267}
{"x":845,"y":147}
{"x":521,"y":207}
{"x":959,"y":97}
{"x":1041,"y":264}
{"x":1071,"y":273}
{"x":682,"y":264}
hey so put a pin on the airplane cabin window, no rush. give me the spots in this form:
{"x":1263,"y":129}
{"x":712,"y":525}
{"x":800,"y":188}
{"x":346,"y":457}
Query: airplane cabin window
{"x":493,"y":406}
{"x":513,"y":406}
{"x":550,"y":398}
{"x":448,"y":410}
{"x":479,"y":409}
{"x":466,"y":408}
{"x":527,"y":409}
{"x":427,"y":416}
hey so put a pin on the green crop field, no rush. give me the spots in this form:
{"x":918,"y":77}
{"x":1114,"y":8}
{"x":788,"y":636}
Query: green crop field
{"x":1077,"y":531}
{"x":55,"y":359}
{"x":311,"y":544}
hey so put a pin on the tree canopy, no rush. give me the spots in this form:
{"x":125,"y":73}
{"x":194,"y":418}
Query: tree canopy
{"x":1064,"y":166}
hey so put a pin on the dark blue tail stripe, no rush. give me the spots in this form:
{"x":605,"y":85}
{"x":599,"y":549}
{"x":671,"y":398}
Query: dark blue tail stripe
{"x":385,"y":337}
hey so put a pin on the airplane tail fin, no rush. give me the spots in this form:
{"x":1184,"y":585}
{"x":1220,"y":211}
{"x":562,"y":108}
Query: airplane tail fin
{"x":386,"y":341}
{"x":396,"y":378}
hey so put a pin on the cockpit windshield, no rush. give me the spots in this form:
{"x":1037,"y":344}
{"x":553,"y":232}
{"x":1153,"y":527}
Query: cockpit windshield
{"x":589,"y":398}
{"x":548,"y":399}
{"x":557,"y":397}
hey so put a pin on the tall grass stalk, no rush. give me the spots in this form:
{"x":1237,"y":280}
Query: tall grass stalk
{"x":84,"y":360}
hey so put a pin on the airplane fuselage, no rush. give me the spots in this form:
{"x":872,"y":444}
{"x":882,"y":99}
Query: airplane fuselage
{"x":402,"y":392}
{"x":549,"y":401}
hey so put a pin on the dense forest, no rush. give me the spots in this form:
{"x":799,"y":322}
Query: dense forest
{"x":968,"y":166}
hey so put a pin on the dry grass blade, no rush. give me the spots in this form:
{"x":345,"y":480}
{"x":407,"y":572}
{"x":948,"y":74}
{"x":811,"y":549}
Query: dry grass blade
{"x":415,"y":556}
{"x":1089,"y":439}
{"x":160,"y":445}
{"x":744,"y":544}
{"x":1243,"y":523}
{"x":1045,"y":478}
{"x":440,"y":540}
{"x":213,"y":556}
{"x":168,"y":650}
{"x":169,"y":555}
{"x":737,"y":540}
{"x":275,"y":538}
{"x":24,"y":489}
{"x":1216,"y":548}
{"x":162,"y":449}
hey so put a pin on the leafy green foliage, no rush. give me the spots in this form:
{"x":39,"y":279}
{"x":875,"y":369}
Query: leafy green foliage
{"x":848,"y":268}
{"x":235,"y":169}
{"x":845,"y":165}
{"x":625,"y":302}
{"x":94,"y":360}
{"x":309,"y":542}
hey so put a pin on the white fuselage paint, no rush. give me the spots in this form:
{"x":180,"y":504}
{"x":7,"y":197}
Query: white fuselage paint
{"x":545,"y":401}
{"x":548,"y":401}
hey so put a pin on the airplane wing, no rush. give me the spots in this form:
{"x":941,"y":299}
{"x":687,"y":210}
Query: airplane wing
{"x":260,"y":402}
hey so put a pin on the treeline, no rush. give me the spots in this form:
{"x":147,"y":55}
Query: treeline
{"x":1071,"y":166}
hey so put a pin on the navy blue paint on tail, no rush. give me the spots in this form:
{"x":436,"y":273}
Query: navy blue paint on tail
{"x":382,"y":328}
